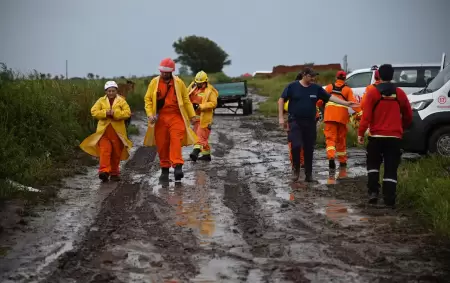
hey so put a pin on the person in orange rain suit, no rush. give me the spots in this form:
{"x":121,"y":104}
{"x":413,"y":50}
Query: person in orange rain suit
{"x":204,"y":99}
{"x":336,"y":118}
{"x":169,"y":110}
{"x":110,"y":141}
{"x":302,"y":155}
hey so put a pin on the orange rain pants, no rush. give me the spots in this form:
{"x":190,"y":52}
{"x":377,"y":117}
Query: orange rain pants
{"x":170,"y":129}
{"x":203,"y":136}
{"x":335,"y":137}
{"x":302,"y":155}
{"x":111,"y":147}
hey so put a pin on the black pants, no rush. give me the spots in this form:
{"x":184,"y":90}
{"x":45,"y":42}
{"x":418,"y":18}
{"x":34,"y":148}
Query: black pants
{"x":389,"y":150}
{"x":302,"y":134}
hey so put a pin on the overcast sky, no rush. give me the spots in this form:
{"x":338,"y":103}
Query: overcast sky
{"x":113,"y":38}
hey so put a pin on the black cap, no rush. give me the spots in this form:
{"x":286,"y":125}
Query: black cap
{"x":309,"y":71}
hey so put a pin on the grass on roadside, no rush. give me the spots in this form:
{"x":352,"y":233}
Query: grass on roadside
{"x":424,"y":186}
{"x":132,"y":130}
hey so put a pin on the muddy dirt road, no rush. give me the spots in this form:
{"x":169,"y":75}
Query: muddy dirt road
{"x":236,"y":219}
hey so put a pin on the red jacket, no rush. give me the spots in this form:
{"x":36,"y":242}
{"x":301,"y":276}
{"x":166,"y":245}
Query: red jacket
{"x":386,"y":111}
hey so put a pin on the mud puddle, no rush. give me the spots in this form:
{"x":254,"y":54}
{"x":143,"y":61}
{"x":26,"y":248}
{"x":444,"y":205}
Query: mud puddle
{"x":53,"y":229}
{"x":240,"y":219}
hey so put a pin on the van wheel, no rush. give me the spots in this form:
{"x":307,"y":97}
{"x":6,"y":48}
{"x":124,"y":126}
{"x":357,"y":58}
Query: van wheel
{"x":440,"y":141}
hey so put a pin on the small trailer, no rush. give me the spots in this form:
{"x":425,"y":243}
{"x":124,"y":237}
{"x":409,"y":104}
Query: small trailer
{"x":234,"y":96}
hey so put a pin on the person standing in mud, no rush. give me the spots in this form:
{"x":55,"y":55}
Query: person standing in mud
{"x":204,"y":99}
{"x":336,"y":119}
{"x":302,"y":96}
{"x":387,"y":112}
{"x":169,"y":110}
{"x":302,"y":152}
{"x":110,"y":141}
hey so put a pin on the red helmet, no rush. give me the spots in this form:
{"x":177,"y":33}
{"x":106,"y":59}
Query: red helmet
{"x":167,"y":65}
{"x":377,"y":75}
{"x":341,"y":75}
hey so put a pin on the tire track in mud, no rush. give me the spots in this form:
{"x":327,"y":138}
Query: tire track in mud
{"x":129,"y":219}
{"x":266,"y":243}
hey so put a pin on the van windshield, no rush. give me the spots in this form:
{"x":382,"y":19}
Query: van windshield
{"x":439,"y":81}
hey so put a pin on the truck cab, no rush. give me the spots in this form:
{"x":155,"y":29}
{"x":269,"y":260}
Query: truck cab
{"x":430,"y":129}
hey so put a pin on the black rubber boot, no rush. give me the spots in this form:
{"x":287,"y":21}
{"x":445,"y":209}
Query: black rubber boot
{"x":164,"y":175}
{"x":295,"y":174}
{"x":104,"y":177}
{"x":115,"y":178}
{"x":373,"y":198}
{"x":206,"y":157}
{"x":309,"y":178}
{"x":178,"y":173}
{"x":342,"y":164}
{"x":194,"y":154}
{"x":331,"y":164}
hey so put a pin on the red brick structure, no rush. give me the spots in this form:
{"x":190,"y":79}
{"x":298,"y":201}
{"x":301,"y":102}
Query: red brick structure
{"x":281,"y":69}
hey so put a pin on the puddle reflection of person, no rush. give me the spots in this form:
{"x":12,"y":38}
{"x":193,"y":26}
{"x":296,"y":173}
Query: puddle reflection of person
{"x":193,"y":209}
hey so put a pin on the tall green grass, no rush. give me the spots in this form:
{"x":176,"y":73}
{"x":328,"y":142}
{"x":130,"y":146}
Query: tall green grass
{"x":424,"y":186}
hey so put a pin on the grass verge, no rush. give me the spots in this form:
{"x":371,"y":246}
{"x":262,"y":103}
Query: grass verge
{"x":424,"y":186}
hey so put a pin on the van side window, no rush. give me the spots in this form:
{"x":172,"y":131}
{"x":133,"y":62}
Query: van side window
{"x":359,"y":80}
{"x":413,"y":76}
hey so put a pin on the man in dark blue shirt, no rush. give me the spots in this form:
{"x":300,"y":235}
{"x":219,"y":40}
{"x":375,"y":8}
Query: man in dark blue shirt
{"x":302,"y":96}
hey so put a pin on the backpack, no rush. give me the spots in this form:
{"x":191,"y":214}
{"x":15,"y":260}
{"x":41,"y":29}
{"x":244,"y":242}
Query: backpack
{"x":337,"y":90}
{"x":391,"y":97}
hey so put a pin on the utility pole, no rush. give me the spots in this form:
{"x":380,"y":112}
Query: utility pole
{"x":345,"y":63}
{"x":67,"y":69}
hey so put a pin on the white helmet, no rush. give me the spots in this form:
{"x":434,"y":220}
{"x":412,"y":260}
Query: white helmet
{"x":109,"y":84}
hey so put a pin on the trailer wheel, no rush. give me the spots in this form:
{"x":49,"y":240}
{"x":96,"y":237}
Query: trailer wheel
{"x":439,"y":141}
{"x":247,"y":107}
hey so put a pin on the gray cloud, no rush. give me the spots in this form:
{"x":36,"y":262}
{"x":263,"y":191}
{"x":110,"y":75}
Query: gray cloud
{"x":130,"y":37}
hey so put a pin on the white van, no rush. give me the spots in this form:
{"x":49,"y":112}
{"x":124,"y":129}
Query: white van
{"x":409,"y":77}
{"x":430,"y":129}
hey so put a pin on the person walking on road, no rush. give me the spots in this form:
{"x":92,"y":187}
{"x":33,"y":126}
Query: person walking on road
{"x":110,"y":141}
{"x":336,"y":118}
{"x":204,"y":99}
{"x":387,"y":112}
{"x":302,"y":96}
{"x":302,"y":152}
{"x":169,"y":111}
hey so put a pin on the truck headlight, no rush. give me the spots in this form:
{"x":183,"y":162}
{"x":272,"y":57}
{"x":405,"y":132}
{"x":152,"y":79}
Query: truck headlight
{"x":420,"y":105}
